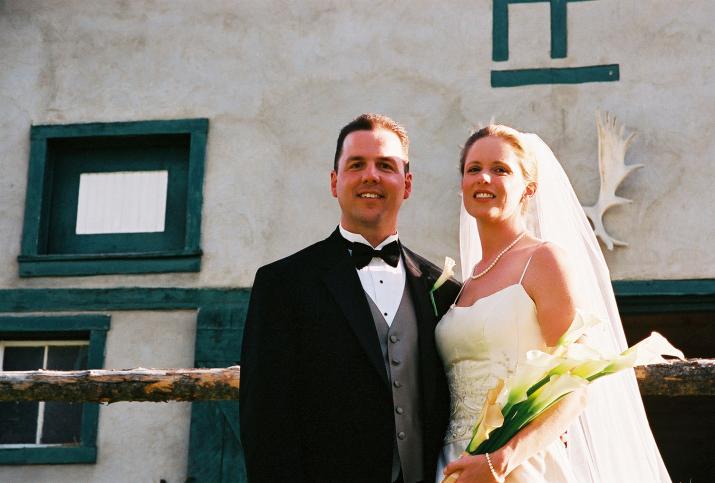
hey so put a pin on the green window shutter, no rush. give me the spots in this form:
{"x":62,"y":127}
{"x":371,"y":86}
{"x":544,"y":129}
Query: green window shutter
{"x":215,"y":451}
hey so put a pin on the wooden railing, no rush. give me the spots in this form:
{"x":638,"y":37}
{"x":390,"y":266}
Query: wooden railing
{"x":693,"y":377}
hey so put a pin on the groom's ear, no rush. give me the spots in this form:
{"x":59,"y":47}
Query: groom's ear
{"x":334,"y":183}
{"x":408,"y":185}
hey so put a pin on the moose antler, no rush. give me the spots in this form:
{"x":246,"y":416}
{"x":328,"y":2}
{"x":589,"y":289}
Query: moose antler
{"x":612,"y":147}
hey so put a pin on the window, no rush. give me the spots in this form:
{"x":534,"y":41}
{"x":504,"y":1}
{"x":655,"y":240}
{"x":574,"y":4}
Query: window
{"x":109,"y":198}
{"x":32,"y":423}
{"x":49,"y":432}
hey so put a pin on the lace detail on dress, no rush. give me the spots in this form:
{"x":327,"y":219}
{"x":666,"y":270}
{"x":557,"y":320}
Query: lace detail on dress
{"x":469,"y":382}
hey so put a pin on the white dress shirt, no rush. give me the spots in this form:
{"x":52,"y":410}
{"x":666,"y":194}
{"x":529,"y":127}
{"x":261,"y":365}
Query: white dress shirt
{"x":383,"y":283}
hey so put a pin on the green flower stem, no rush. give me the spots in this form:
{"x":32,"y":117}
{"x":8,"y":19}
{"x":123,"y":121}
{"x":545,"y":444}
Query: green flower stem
{"x":434,"y":304}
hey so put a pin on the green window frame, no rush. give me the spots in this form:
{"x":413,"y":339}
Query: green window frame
{"x":95,"y":328}
{"x":50,"y":246}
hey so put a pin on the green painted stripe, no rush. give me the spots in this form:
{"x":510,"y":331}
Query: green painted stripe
{"x":567,"y":75}
{"x":665,"y":296}
{"x":86,"y":266}
{"x":500,"y":30}
{"x":545,"y":1}
{"x":636,"y":288}
{"x":63,"y":323}
{"x":94,"y":129}
{"x":47,"y":456}
{"x":559,"y":35}
{"x":37,"y":186}
{"x":195,"y":188}
{"x":134,"y":298}
{"x":108,"y":256}
{"x":161,"y":298}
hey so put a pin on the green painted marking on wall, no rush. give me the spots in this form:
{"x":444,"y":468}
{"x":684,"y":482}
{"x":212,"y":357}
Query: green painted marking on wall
{"x":500,"y":27}
{"x":130,"y":298}
{"x":87,"y":265}
{"x":559,"y":36}
{"x":48,"y":456}
{"x":566,"y":75}
{"x":500,"y":30}
{"x":663,"y":296}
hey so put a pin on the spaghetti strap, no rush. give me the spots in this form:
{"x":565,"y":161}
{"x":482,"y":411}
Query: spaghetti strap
{"x":524,"y":272}
{"x":459,"y":294}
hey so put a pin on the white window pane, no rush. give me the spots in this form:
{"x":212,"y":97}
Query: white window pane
{"x":121,"y":202}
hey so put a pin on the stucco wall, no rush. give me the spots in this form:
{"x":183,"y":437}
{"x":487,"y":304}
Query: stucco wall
{"x":136,"y":441}
{"x":278,"y":79}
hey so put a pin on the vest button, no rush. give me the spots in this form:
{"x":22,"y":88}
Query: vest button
{"x":395,"y":362}
{"x":401,"y":435}
{"x":393,"y":338}
{"x":399,"y":410}
{"x":397,"y":383}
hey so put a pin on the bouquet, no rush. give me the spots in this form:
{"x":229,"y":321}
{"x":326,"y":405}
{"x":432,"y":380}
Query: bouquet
{"x":546,"y":377}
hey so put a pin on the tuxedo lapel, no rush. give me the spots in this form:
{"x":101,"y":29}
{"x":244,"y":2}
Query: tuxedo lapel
{"x":419,"y":284}
{"x":343,"y":282}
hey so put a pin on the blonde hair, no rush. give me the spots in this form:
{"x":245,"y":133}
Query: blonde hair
{"x":527,"y":162}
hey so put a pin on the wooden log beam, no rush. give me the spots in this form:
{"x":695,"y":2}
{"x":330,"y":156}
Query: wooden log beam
{"x":694,"y":377}
{"x":109,"y":386}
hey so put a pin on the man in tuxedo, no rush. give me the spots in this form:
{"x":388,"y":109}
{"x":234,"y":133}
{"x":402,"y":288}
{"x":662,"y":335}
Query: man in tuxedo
{"x":340,"y":376}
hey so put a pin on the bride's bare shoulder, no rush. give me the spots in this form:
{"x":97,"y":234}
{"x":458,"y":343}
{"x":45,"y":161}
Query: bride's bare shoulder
{"x":550,"y":258}
{"x":549,"y":275}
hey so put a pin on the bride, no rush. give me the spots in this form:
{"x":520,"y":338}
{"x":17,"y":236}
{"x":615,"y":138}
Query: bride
{"x":529,"y":259}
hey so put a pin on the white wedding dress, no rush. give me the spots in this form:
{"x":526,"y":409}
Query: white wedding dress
{"x":478,"y":344}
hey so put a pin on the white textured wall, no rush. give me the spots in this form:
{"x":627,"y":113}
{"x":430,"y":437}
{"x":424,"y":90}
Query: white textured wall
{"x":278,"y":79}
{"x":137,"y":442}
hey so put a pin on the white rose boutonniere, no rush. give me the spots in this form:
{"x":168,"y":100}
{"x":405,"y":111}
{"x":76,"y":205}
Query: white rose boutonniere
{"x":447,"y":272}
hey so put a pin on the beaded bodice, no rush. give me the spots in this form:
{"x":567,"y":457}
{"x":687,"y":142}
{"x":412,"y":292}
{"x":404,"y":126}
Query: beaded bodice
{"x":481,"y":343}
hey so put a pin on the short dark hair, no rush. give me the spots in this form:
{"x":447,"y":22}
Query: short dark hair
{"x":370,"y":122}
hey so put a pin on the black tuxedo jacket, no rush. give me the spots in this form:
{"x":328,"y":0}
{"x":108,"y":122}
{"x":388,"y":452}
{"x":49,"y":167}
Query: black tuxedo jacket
{"x":315,"y":401}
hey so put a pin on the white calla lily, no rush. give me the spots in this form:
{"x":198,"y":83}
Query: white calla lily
{"x":557,"y":387}
{"x":651,"y":349}
{"x":535,"y":367}
{"x":646,"y":352}
{"x":581,"y":323}
{"x":490,"y":418}
{"x":543,"y":378}
{"x":447,"y":273}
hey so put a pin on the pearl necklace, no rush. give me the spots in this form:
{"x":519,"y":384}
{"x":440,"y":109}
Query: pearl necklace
{"x":509,"y":247}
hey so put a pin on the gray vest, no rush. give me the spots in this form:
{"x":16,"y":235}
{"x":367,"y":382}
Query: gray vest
{"x":400,"y":353}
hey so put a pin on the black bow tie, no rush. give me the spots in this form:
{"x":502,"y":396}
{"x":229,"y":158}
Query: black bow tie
{"x":362,"y":254}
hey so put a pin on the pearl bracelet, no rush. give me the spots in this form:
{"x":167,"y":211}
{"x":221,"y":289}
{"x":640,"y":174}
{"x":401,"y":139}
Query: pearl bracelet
{"x":491,"y":468}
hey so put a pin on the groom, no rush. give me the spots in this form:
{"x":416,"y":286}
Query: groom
{"x":340,"y":376}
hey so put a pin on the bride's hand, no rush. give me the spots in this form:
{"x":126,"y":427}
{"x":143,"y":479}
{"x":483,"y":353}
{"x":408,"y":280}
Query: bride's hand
{"x":468,"y":469}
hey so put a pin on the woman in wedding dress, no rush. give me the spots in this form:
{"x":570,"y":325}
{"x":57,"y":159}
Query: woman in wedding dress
{"x":529,"y":262}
